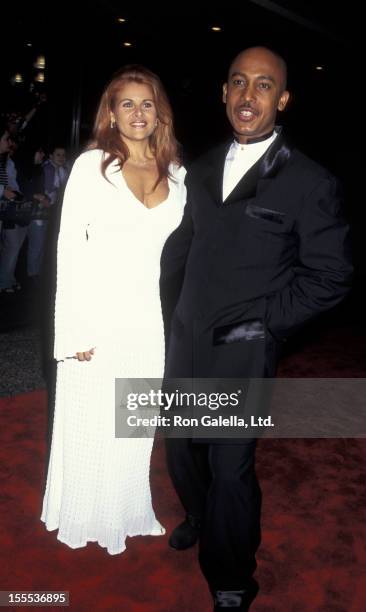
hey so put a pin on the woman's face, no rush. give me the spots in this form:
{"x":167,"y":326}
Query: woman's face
{"x":5,"y":143}
{"x":135,"y":112}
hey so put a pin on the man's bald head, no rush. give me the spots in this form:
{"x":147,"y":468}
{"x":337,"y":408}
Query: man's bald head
{"x":264,"y":54}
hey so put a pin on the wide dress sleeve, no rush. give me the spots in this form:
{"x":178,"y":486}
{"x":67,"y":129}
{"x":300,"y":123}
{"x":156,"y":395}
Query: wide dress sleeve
{"x":74,"y":324}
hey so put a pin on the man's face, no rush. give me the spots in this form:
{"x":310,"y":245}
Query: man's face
{"x":5,"y":143}
{"x":58,"y":157}
{"x":14,"y":121}
{"x":254,"y":93}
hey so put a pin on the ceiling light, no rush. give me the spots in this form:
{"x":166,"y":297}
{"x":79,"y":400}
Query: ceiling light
{"x":40,"y":63}
{"x":17,"y":78}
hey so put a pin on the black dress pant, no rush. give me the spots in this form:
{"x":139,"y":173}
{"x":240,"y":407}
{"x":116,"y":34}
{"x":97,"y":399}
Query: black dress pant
{"x":217,"y":482}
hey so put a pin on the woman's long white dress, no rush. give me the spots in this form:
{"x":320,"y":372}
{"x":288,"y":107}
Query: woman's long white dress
{"x":107,"y":297}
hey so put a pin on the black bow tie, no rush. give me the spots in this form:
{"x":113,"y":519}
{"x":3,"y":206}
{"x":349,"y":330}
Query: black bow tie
{"x":257,"y":139}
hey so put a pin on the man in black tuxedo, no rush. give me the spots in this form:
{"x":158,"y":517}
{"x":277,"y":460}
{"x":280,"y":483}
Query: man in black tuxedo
{"x":262,"y":249}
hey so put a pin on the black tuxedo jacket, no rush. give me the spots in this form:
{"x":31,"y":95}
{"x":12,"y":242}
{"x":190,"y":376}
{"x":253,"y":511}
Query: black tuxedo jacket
{"x":240,"y":276}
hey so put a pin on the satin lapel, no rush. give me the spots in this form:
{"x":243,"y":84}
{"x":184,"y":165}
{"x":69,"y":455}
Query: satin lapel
{"x":259,"y":175}
{"x":247,"y":186}
{"x":213,"y":180}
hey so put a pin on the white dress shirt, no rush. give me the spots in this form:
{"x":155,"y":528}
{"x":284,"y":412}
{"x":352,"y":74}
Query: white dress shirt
{"x":240,"y":158}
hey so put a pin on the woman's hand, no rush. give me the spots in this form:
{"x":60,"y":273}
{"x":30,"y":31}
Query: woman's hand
{"x":85,"y":356}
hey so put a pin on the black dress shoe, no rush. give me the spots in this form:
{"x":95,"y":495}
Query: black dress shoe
{"x":186,"y":534}
{"x":237,"y":600}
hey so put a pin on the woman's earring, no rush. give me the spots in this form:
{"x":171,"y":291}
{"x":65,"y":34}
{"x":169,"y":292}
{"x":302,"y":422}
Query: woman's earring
{"x":113,"y":123}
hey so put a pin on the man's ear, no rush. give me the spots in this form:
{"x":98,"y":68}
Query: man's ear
{"x":224,"y":92}
{"x":284,"y":98}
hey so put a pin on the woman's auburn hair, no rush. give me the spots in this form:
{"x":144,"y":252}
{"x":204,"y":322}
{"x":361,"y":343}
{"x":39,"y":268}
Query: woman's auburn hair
{"x":163,"y":143}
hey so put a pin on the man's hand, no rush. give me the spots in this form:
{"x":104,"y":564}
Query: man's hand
{"x":42,"y":199}
{"x":9,"y":193}
{"x":85,"y":356}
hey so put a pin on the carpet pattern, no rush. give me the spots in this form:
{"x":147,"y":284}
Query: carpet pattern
{"x":20,"y":361}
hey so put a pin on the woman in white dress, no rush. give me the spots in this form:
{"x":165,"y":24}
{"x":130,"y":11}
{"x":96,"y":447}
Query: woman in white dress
{"x":125,"y":195}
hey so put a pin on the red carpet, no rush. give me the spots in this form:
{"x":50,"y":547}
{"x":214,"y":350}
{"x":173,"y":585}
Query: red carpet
{"x":313,"y":552}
